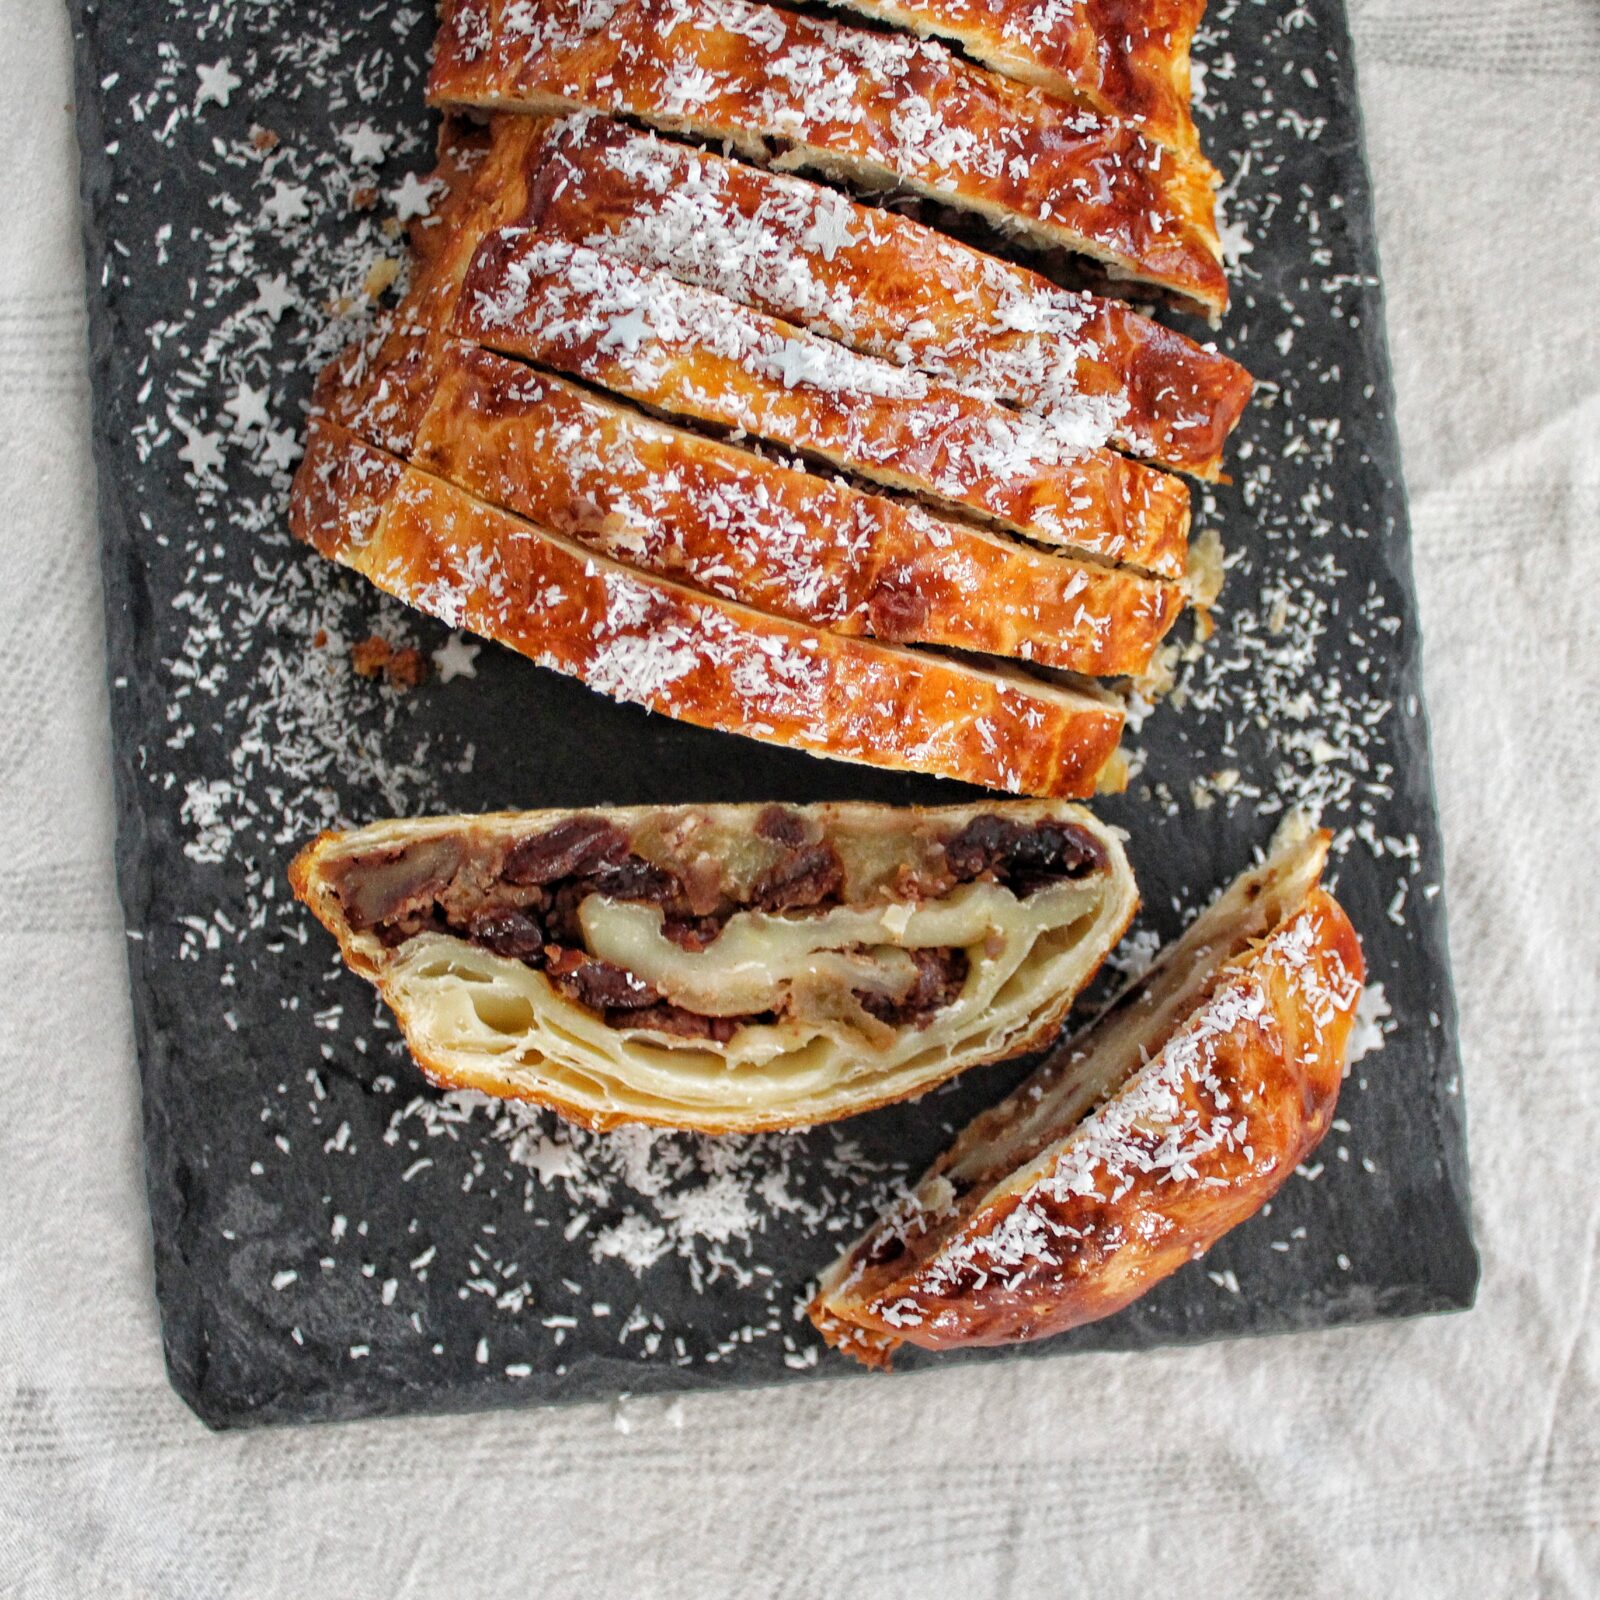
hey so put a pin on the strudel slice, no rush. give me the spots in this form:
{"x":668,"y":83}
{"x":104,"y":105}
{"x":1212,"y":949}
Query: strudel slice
{"x":1172,"y":1118}
{"x":691,"y":655}
{"x":883,"y":284}
{"x":722,"y":968}
{"x":699,"y":354}
{"x":1124,"y":59}
{"x":873,"y":108}
{"x":772,"y":535}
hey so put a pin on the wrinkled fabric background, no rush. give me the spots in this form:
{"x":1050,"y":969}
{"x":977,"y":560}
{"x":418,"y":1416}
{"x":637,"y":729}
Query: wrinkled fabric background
{"x":1442,"y":1458}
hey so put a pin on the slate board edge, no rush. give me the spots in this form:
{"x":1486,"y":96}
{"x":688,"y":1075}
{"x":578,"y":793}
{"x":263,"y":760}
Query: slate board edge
{"x":126,"y":596}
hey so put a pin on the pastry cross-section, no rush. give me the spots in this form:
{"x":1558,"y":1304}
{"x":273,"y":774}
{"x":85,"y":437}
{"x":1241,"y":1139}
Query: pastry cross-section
{"x":723,"y":968}
{"x":696,"y":353}
{"x":873,"y":108}
{"x":1135,"y":1146}
{"x":639,"y":637}
{"x":881,"y":283}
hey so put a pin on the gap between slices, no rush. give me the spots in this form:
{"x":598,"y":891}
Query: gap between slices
{"x":1174,"y":1115}
{"x":691,"y":655}
{"x":723,"y":968}
{"x":872,"y":108}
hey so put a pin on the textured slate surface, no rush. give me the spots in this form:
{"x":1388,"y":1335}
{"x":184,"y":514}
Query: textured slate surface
{"x":332,"y":1239}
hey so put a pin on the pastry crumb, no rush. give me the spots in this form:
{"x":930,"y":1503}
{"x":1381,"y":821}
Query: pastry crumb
{"x":401,"y":666}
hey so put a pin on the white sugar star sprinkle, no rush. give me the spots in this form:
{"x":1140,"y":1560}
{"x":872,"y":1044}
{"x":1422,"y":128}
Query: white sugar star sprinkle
{"x":274,"y":296}
{"x":217,"y":83}
{"x":287,"y":203}
{"x":280,"y":450}
{"x":203,"y":451}
{"x":414,"y":198}
{"x":456,"y":658}
{"x":366,"y":145}
{"x":248,"y":407}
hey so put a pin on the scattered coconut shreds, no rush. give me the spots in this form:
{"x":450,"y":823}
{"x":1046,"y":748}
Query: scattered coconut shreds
{"x":292,"y":140}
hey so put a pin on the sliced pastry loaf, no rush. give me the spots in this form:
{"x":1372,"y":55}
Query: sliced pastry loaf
{"x":723,"y":968}
{"x":1125,"y":59}
{"x":774,"y":536}
{"x":690,"y":351}
{"x":872,"y":108}
{"x":883,"y":284}
{"x":1138,"y":1143}
{"x":686,"y":653}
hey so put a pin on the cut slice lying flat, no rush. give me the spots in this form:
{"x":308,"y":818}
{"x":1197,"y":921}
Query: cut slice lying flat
{"x":883,"y":284}
{"x":872,"y":108}
{"x":772,"y":536}
{"x":1127,"y":60}
{"x":1140,"y":1142}
{"x":722,"y":968}
{"x":687,"y":654}
{"x":695,"y":353}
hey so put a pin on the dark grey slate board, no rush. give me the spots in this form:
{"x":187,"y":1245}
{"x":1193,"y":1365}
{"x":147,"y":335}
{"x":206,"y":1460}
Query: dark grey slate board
{"x":333,"y":1239}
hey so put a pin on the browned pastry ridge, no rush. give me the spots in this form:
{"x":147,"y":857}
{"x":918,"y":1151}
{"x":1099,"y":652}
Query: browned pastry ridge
{"x":1127,"y":59}
{"x":676,"y":347}
{"x":875,"y":108}
{"x":723,"y":968}
{"x":1138,"y":1143}
{"x":691,"y":655}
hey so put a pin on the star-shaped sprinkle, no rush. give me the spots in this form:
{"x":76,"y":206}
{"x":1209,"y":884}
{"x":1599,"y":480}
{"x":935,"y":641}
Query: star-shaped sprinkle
{"x":280,"y":450}
{"x":248,"y":407}
{"x":203,"y":451}
{"x":287,"y":203}
{"x":455,"y":659}
{"x":217,"y":83}
{"x":414,"y":197}
{"x":366,"y":145}
{"x":274,"y":296}
{"x":627,"y":332}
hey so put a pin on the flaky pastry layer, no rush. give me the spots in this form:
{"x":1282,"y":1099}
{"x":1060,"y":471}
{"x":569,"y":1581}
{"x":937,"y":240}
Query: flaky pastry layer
{"x":722,"y":968}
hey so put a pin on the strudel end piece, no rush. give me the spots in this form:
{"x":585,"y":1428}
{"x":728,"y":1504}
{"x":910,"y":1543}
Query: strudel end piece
{"x":771,"y":535}
{"x":691,"y":655}
{"x":696,"y":353}
{"x":722,"y":968}
{"x":873,"y":108}
{"x":1172,"y":1118}
{"x":881,"y":283}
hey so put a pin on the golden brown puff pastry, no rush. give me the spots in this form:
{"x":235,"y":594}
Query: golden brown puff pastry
{"x":1127,"y":58}
{"x":771,"y":535}
{"x":1173,"y":1117}
{"x":872,"y":108}
{"x":723,"y":968}
{"x":680,"y":348}
{"x":690,"y":655}
{"x":881,"y":283}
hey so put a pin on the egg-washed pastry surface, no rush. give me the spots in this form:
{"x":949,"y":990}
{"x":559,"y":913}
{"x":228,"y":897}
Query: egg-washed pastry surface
{"x":873,"y":108}
{"x":1135,"y":1146}
{"x":723,"y":968}
{"x":679,"y":348}
{"x":1127,"y":60}
{"x":690,"y":654}
{"x":882,"y":283}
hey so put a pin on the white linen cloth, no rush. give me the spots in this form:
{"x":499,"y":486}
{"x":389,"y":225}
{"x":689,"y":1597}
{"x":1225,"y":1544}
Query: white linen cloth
{"x":1442,"y":1457}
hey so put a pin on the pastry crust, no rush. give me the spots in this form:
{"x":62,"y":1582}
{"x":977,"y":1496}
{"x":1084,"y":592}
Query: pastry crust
{"x":883,"y":284}
{"x":1137,"y":1144}
{"x":872,"y":108}
{"x":773,"y":536}
{"x":1120,"y":58}
{"x":688,"y":350}
{"x":687,"y":654}
{"x":722,"y":968}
